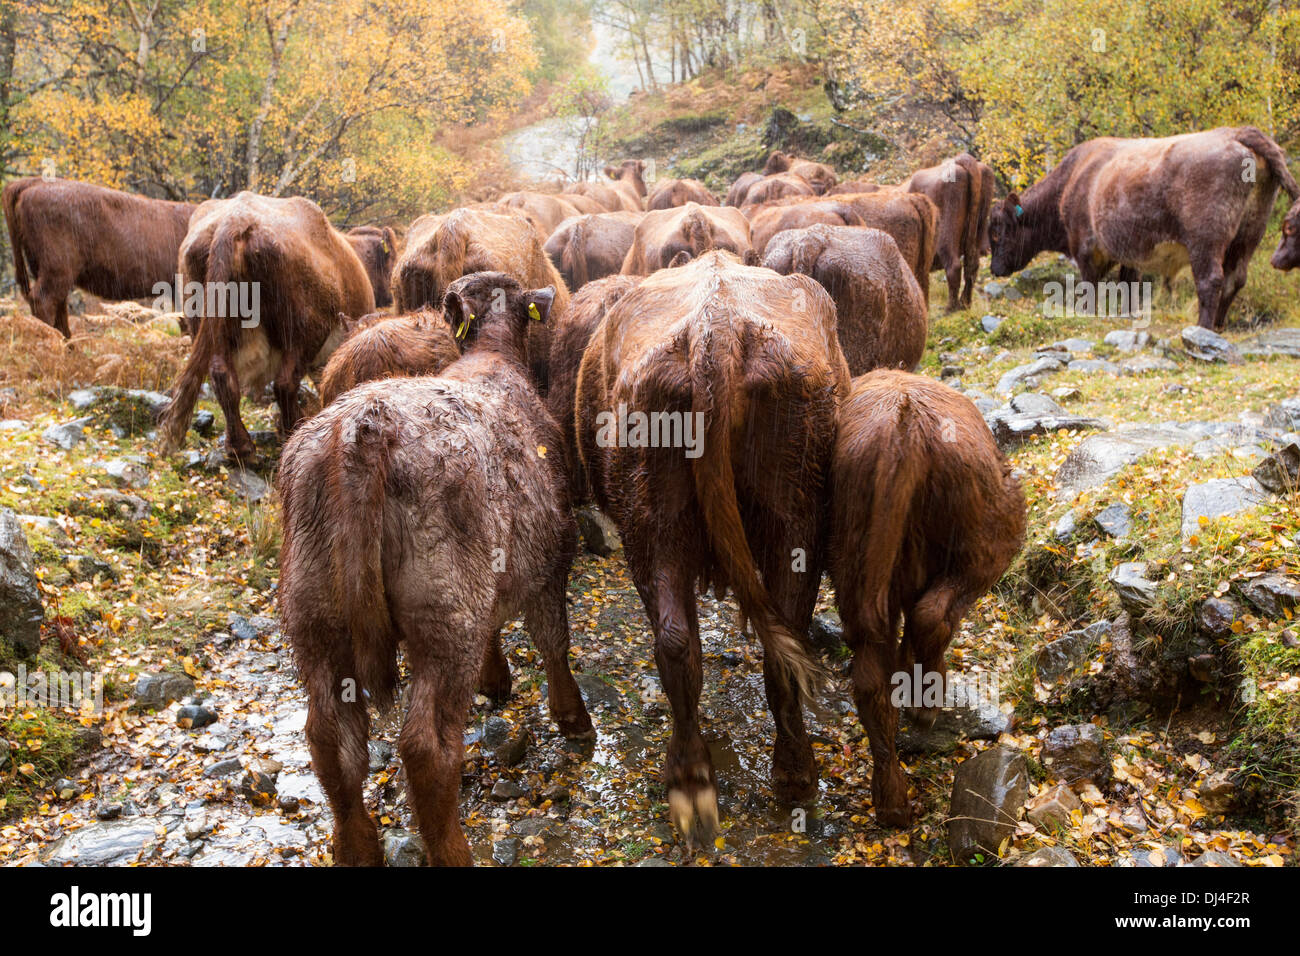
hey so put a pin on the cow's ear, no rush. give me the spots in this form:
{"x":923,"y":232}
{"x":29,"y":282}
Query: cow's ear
{"x":539,"y":302}
{"x":457,"y":315}
{"x":640,"y":166}
{"x":1013,"y":203}
{"x":680,"y":259}
{"x":750,"y":258}
{"x":390,"y":241}
{"x":611,"y":172}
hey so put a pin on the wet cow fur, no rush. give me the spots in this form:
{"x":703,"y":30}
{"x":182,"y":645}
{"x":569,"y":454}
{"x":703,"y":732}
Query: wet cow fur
{"x":910,"y":218}
{"x":421,"y":513}
{"x":693,"y":229}
{"x":376,"y":247}
{"x":404,"y":345}
{"x":881,"y":318}
{"x":628,"y":180}
{"x":66,"y":234}
{"x":755,"y":354}
{"x":818,"y":175}
{"x":311,"y":282}
{"x":668,"y":193}
{"x":926,"y":517}
{"x":585,"y":248}
{"x":1151,"y":205}
{"x":962,"y":190}
{"x":767,"y":221}
{"x":442,"y":248}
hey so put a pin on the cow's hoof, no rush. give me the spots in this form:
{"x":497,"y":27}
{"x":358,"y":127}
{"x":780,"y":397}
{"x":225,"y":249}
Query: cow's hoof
{"x":685,"y":807}
{"x":894,"y":816}
{"x":496,"y":690}
{"x":794,"y":786}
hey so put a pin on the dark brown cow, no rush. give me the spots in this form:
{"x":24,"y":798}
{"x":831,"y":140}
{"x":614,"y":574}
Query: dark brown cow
{"x":959,"y":188}
{"x":880,"y":312}
{"x":693,"y":229}
{"x":404,"y":345}
{"x":586,"y":248}
{"x":569,"y":338}
{"x":766,"y":221}
{"x":926,"y":517}
{"x":740,"y":188}
{"x":66,"y":234}
{"x":1152,"y":205}
{"x":747,"y":361}
{"x":1287,"y":254}
{"x":818,"y":175}
{"x":627,"y":180}
{"x":308,"y":282}
{"x":668,"y":193}
{"x":377,"y":248}
{"x":440,"y":249}
{"x":424,"y":513}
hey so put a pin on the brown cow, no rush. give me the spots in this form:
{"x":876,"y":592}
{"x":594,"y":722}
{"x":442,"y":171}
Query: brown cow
{"x":880,"y":312}
{"x":424,"y":513}
{"x":608,"y":198}
{"x":926,"y":516}
{"x":854,"y":186}
{"x":112,"y":244}
{"x":305,"y":276}
{"x":960,"y":189}
{"x":768,"y":220}
{"x":668,"y":193}
{"x":778,"y":186}
{"x":569,"y":338}
{"x":740,"y":188}
{"x":377,"y":248}
{"x":818,"y":175}
{"x":627,"y":180}
{"x":1287,"y":254}
{"x":586,"y":248}
{"x":1154,"y":205}
{"x":547,"y":211}
{"x":736,"y":372}
{"x":693,"y":229}
{"x":440,"y":249}
{"x":416,"y":344}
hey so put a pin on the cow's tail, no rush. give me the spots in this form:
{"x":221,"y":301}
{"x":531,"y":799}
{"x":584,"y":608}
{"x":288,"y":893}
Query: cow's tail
{"x":696,"y":231}
{"x":225,"y":261}
{"x":448,"y":261}
{"x":10,"y":199}
{"x":715,"y":377}
{"x":898,"y":471}
{"x":357,"y":483}
{"x":974,"y":199}
{"x":1259,"y":142}
{"x":574,"y":258}
{"x":926,"y":213}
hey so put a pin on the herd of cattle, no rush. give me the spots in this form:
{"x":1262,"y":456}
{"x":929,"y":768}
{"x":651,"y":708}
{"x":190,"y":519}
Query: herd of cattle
{"x":432,"y":498}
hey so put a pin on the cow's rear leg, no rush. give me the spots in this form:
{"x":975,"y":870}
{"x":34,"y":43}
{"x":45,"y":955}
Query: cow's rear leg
{"x":1207,"y":271}
{"x":431,"y":744}
{"x":970,"y":272}
{"x":1234,"y":278}
{"x":952,"y":272}
{"x":49,"y":302}
{"x":337,"y":731}
{"x":929,"y":627}
{"x":688,"y":777}
{"x":875,"y":661}
{"x":285,"y":388}
{"x":225,"y":385}
{"x":494,"y":675}
{"x":547,"y":619}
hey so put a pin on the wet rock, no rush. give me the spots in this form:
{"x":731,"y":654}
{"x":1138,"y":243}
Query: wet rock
{"x":1155,"y":857}
{"x":1207,"y":346}
{"x":951,"y":372}
{"x":599,"y":533}
{"x":983,"y":721}
{"x":203,"y":423}
{"x":1023,"y":373}
{"x":104,"y":844}
{"x":380,"y":753}
{"x":1075,"y":753}
{"x":197,"y":827}
{"x":108,"y":811}
{"x":1280,"y":472}
{"x":1075,"y":345}
{"x":1115,"y":520}
{"x":506,"y":744}
{"x":247,"y":484}
{"x":1218,"y":498}
{"x":127,"y":474}
{"x":1217,"y":793}
{"x":241,"y":627}
{"x":1215,"y":617}
{"x":1067,"y":393}
{"x":827,"y":631}
{"x":1273,"y":342}
{"x":1094,"y":365}
{"x":598,"y":694}
{"x":194,"y":716}
{"x":119,"y":504}
{"x":1143,"y":364}
{"x":65,"y":789}
{"x":1213,"y":858}
{"x":50,"y":527}
{"x":1136,"y":592}
{"x":1075,"y":648}
{"x":988,"y":795}
{"x":505,"y":851}
{"x":403,"y":848}
{"x":1052,"y":808}
{"x":1127,"y":340}
{"x":1095,"y":459}
{"x":21,"y":611}
{"x":505,"y":790}
{"x":1284,"y":415}
{"x":1048,"y":856}
{"x":258,"y":783}
{"x":555,"y":793}
{"x":67,"y":435}
{"x":1289,"y":638}
{"x":87,"y":567}
{"x":1066,"y":526}
{"x":155,"y":691}
{"x":1272,"y":593}
{"x":4,"y":752}
{"x":224,"y":768}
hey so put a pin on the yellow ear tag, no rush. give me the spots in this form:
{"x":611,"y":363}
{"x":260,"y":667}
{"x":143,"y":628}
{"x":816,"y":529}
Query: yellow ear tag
{"x":532,"y":311}
{"x":464,"y":326}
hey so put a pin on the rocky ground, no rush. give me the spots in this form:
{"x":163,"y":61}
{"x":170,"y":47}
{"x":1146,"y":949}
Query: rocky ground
{"x":1142,"y":646}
